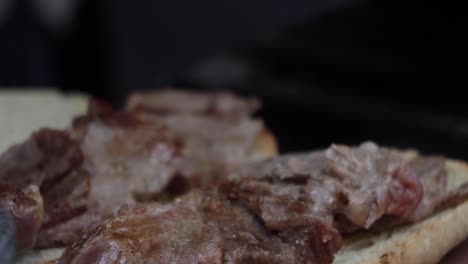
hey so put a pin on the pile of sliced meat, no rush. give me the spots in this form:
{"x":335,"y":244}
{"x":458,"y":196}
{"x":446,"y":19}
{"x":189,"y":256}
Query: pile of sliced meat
{"x":58,"y":183}
{"x":289,"y":209}
{"x":42,"y":184}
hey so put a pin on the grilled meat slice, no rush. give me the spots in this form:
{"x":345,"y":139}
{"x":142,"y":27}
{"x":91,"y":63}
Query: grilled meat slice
{"x":200,"y":227}
{"x":359,"y":185}
{"x":152,"y":233}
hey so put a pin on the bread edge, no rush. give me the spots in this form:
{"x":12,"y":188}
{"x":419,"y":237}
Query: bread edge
{"x":264,"y":146}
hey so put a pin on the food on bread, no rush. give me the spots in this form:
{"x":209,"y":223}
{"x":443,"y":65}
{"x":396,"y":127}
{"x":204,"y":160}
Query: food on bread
{"x":289,"y":209}
{"x":200,"y":227}
{"x":362,"y":204}
{"x":361,"y":188}
{"x":107,"y":158}
{"x":424,"y":242}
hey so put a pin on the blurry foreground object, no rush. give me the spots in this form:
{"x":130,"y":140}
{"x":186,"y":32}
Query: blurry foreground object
{"x":7,"y":238}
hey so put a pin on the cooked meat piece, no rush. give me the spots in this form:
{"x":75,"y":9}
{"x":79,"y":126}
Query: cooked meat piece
{"x":51,"y":160}
{"x":432,"y":173}
{"x":100,"y":111}
{"x":246,"y":240}
{"x":362,"y":183}
{"x":128,"y":159}
{"x":65,"y":232}
{"x":26,"y":210}
{"x":67,"y":214}
{"x":212,"y":146}
{"x":47,"y":156}
{"x":200,"y":227}
{"x":287,"y":211}
{"x":433,"y":176}
{"x":153,"y":233}
{"x":169,"y":101}
{"x":280,"y":206}
{"x":216,"y":128}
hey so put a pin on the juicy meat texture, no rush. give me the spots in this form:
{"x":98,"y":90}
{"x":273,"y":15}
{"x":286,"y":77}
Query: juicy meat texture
{"x":51,"y":161}
{"x":172,"y":233}
{"x":26,"y":209}
{"x":201,"y":227}
{"x":363,"y":184}
{"x":216,"y":128}
{"x":127,"y":159}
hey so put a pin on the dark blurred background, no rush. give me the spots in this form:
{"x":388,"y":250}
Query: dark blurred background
{"x":327,"y":70}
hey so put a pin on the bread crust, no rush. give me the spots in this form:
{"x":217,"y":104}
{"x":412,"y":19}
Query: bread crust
{"x":264,"y":146}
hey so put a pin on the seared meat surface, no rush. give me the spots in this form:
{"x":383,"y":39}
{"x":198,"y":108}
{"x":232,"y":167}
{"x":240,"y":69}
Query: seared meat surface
{"x":248,"y":240}
{"x":201,"y":227}
{"x":172,"y":233}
